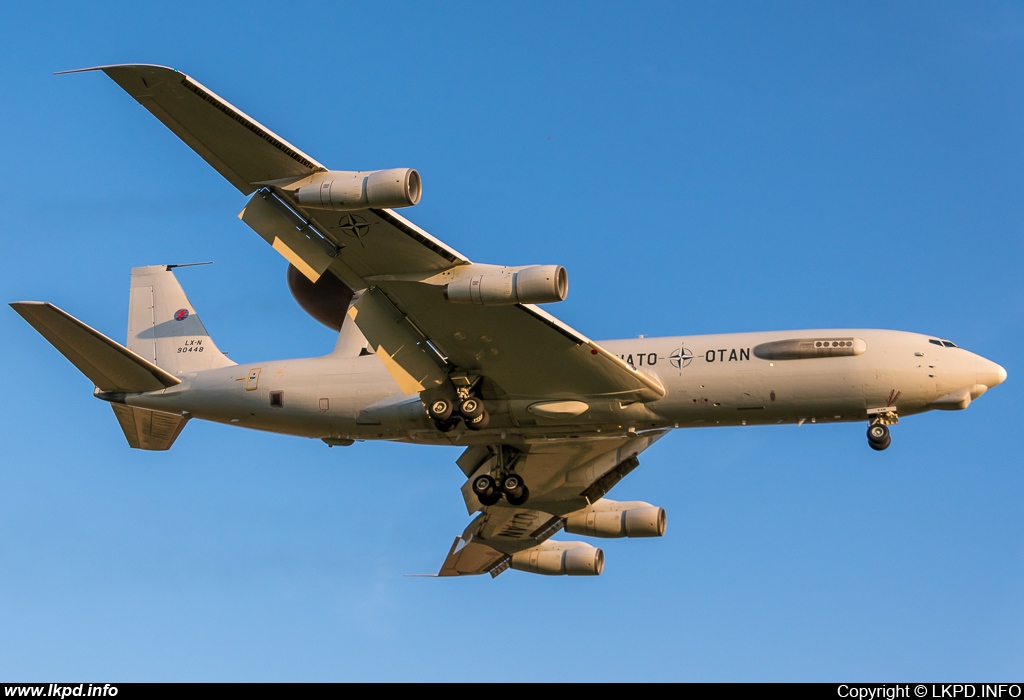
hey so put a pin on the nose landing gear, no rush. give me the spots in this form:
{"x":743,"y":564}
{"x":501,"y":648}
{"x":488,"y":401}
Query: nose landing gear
{"x":878,"y":436}
{"x":878,"y":430}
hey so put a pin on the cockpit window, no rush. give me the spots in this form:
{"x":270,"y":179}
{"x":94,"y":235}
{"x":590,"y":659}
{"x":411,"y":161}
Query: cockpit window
{"x":948,"y":344}
{"x":933,"y":341}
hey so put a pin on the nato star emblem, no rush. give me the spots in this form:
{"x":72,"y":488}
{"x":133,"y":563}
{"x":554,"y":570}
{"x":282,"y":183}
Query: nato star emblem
{"x":681,"y":358}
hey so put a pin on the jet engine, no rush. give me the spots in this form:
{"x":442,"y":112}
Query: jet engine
{"x":608,"y":518}
{"x":349,"y":191}
{"x":326,"y":300}
{"x":534,"y":284}
{"x":560,"y":559}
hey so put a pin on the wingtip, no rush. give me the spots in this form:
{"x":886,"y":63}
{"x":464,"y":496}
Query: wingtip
{"x":114,"y":65}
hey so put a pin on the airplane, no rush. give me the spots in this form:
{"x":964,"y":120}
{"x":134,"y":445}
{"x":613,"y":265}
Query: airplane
{"x":435,"y":349}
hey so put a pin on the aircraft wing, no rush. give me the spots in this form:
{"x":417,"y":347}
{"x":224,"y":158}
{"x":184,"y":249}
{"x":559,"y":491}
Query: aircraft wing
{"x":564,"y":476}
{"x":244,"y":152}
{"x":520,"y":349}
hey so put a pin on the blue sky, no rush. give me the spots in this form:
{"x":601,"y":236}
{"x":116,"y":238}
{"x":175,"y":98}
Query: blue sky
{"x":697,"y":169}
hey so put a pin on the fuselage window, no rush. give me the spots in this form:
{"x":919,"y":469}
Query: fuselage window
{"x":277,"y":399}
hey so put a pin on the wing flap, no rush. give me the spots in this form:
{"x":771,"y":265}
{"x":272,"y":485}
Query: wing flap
{"x":397,"y":344}
{"x":288,"y":235}
{"x":111,"y":366}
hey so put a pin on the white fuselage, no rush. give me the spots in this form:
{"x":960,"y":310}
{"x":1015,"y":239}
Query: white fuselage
{"x":710,"y":380}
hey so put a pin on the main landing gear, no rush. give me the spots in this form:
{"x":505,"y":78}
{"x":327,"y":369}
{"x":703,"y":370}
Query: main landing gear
{"x":501,"y":480}
{"x":469,"y":409}
{"x":511,"y":486}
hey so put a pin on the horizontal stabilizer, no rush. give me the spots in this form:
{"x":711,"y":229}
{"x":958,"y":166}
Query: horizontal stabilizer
{"x":111,"y":366}
{"x":146,"y":429}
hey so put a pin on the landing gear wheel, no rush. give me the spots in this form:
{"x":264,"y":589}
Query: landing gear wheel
{"x":471,"y":408}
{"x":446,"y":426}
{"x":489,"y":500}
{"x":511,"y":483}
{"x":486,"y":490}
{"x":881,"y":445}
{"x":440,"y":409}
{"x":878,"y":436}
{"x":484,"y":485}
{"x":521,"y":498}
{"x":515,"y":490}
{"x":480,"y":422}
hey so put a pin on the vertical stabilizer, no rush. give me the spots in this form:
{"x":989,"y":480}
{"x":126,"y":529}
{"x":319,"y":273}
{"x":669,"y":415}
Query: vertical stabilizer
{"x":164,"y":329}
{"x":351,"y":341}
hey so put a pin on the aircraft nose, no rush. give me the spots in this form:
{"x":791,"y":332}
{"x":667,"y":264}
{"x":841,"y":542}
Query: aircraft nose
{"x":990,"y":374}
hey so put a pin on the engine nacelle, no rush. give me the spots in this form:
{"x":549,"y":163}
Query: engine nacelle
{"x":349,"y":191}
{"x":608,"y":518}
{"x":560,"y":559}
{"x":534,"y":284}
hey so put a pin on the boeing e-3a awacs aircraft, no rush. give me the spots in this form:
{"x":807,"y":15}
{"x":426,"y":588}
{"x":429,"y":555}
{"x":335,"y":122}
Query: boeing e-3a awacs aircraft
{"x":436,"y":349}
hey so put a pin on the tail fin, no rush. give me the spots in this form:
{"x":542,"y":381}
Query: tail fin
{"x":163,"y":327}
